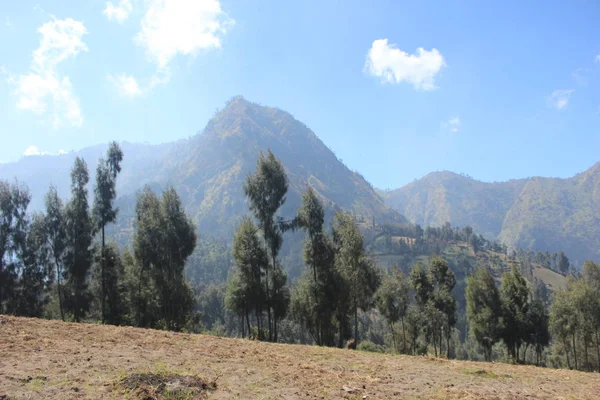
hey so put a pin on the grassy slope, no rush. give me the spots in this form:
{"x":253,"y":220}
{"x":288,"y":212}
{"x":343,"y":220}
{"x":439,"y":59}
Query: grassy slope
{"x":52,"y":359}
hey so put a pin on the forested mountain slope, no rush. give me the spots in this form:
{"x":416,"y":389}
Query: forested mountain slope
{"x":542,"y":214}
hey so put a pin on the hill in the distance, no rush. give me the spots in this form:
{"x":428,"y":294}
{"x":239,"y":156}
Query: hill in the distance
{"x":209,"y":169}
{"x":536,"y":213}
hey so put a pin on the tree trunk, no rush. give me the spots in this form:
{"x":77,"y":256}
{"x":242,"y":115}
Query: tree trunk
{"x":448,"y":341}
{"x":567,"y":352}
{"x":585,"y":352}
{"x":102,"y":276}
{"x":574,"y":351}
{"x":391,"y":325}
{"x":355,"y":322}
{"x":403,"y":337}
{"x":60,"y":304}
{"x":597,"y":351}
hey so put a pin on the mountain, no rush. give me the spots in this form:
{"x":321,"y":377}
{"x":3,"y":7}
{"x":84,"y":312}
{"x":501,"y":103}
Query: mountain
{"x":209,"y":169}
{"x":535,"y":213}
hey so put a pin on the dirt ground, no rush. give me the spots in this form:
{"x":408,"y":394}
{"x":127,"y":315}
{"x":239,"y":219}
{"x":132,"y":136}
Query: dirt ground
{"x":42,"y":359}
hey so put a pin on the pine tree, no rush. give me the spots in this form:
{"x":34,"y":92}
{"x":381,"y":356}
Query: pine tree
{"x":164,"y":239}
{"x":79,"y":235}
{"x":514,"y":294}
{"x":55,"y":225}
{"x":358,"y":271}
{"x":14,"y":200}
{"x":266,"y":190}
{"x":104,"y":212}
{"x":392,"y":300}
{"x":484,"y":309}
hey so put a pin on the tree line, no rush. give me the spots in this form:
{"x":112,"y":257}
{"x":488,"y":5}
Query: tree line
{"x":59,"y":264}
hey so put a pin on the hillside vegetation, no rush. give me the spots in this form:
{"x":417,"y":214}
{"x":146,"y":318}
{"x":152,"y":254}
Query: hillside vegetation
{"x":542,"y":214}
{"x":57,"y":360}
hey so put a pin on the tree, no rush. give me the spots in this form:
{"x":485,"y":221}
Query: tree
{"x":443,"y":300}
{"x":392,"y":300}
{"x":484,"y":309}
{"x":565,"y":321}
{"x":514,"y":294}
{"x":55,"y":227}
{"x":164,"y":239}
{"x":79,"y":236}
{"x":103,"y":211}
{"x":355,"y":268}
{"x":246,"y":290}
{"x":266,"y":190}
{"x":562,"y":263}
{"x":422,"y":285}
{"x":591,"y":275}
{"x":14,"y":200}
{"x":319,"y":256}
{"x":538,"y":334}
{"x":34,"y":275}
{"x":115,"y":290}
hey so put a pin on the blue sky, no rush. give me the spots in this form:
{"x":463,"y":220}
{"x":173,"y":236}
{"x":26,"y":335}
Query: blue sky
{"x":496,"y":90}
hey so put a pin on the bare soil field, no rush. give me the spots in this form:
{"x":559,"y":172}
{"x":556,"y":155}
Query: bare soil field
{"x":42,"y":359}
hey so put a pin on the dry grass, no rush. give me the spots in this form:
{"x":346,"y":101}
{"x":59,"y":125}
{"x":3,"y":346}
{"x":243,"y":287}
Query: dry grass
{"x":52,"y":359}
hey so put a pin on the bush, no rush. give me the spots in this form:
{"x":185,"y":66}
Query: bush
{"x":367,"y":345}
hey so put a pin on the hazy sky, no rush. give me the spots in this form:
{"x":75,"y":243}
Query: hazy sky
{"x":496,"y":90}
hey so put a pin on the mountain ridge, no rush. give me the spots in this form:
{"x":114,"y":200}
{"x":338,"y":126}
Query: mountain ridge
{"x":539,"y":213}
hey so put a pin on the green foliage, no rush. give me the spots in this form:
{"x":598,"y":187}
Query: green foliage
{"x":367,"y":345}
{"x":79,"y":235}
{"x":358,"y":271}
{"x":515,"y":296}
{"x":266,"y":190}
{"x":14,"y":200}
{"x":164,"y":239}
{"x":104,"y":213}
{"x":392,"y":300}
{"x":484,"y":310}
{"x":321,"y":275}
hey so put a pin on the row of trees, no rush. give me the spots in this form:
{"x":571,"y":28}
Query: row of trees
{"x":55,"y":248}
{"x":58,"y":264}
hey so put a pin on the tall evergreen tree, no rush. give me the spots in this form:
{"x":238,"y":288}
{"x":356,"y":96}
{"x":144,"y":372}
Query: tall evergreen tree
{"x":79,"y":235}
{"x":484,"y":309}
{"x":164,"y":239}
{"x":245,"y":292}
{"x":392,"y":300}
{"x":14,"y":200}
{"x":320,"y":258}
{"x":35,"y":275}
{"x":443,"y":299}
{"x":56,"y":236}
{"x":266,"y":190}
{"x":514,"y":294}
{"x":103,"y":211}
{"x":358,"y":271}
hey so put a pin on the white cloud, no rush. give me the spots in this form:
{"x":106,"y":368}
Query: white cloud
{"x":7,"y":22}
{"x":452,"y":125}
{"x":393,"y":65}
{"x":597,"y":59}
{"x":126,"y":85}
{"x":559,"y":99}
{"x":34,"y":151}
{"x":61,"y":39}
{"x":172,"y":27}
{"x":119,"y":12}
{"x":580,"y":76}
